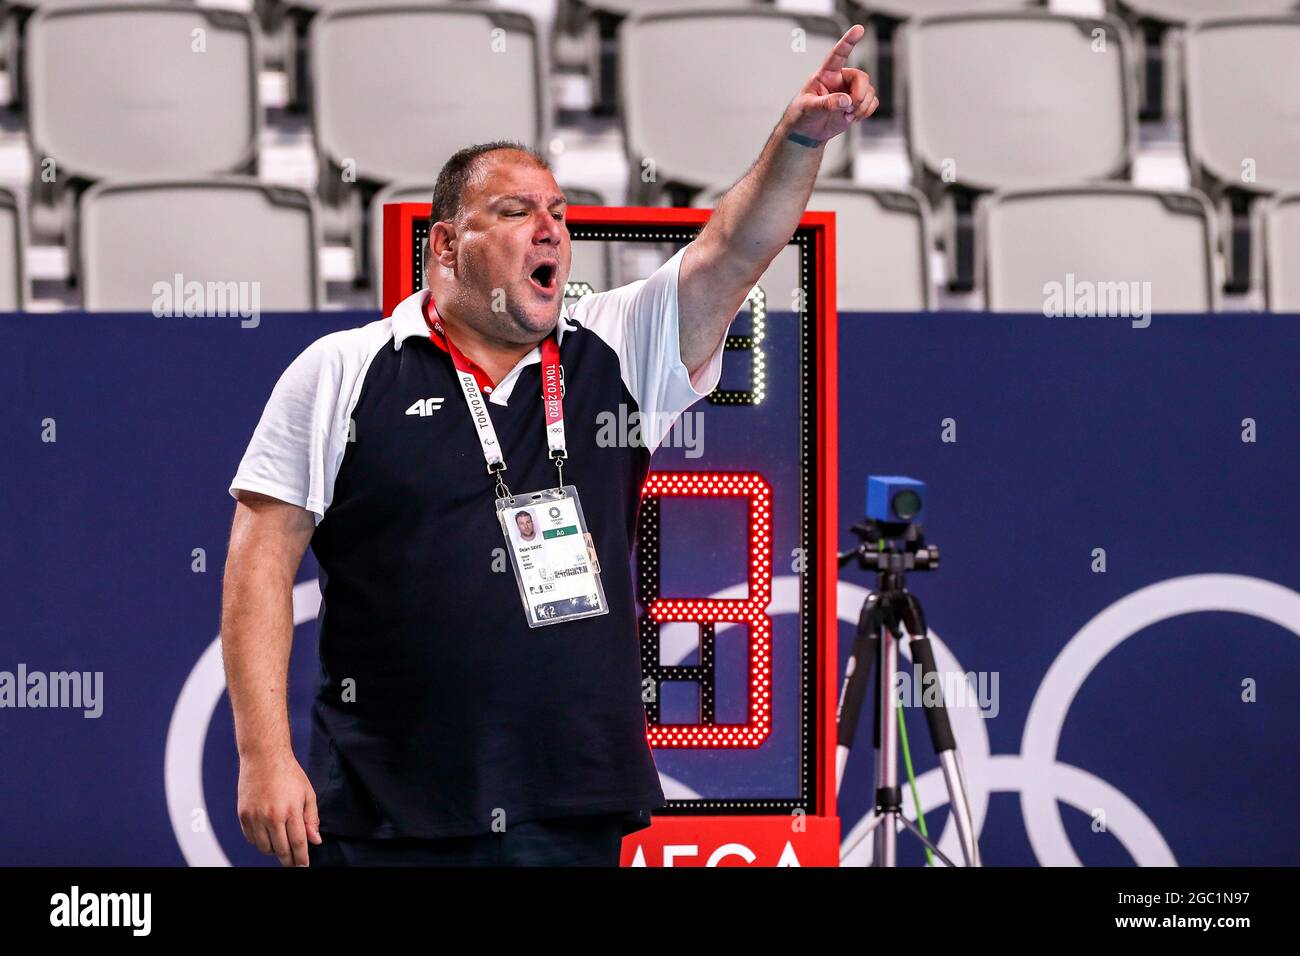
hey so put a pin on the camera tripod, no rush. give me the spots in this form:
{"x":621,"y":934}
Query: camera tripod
{"x":890,"y":549}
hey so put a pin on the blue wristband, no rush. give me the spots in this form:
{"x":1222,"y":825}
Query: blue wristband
{"x":803,"y":140}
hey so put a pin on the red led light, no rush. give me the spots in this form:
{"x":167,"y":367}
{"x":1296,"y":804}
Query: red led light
{"x":750,"y":611}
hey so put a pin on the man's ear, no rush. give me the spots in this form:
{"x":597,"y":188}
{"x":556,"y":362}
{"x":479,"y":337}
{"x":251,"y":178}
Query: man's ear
{"x":442,"y":244}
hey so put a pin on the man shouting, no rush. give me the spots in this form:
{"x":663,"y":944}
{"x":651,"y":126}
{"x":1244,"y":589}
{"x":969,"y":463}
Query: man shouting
{"x":471,"y":709}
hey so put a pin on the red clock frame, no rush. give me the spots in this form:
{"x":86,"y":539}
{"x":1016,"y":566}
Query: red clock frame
{"x":804,"y":838}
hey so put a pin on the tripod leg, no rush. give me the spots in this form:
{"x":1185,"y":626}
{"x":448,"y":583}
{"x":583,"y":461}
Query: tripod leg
{"x":936,"y":715}
{"x":916,"y":831}
{"x":889,"y":797}
{"x":950,"y":760}
{"x":857,"y":675}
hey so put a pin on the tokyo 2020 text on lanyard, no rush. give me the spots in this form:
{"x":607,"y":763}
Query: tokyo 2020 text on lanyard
{"x":552,"y":405}
{"x":552,"y":553}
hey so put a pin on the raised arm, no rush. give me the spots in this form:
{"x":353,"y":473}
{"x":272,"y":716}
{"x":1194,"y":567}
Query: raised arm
{"x":759,"y":214}
{"x":277,"y":806}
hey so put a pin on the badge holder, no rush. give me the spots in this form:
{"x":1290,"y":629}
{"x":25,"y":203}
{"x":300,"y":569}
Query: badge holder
{"x":551,"y":552}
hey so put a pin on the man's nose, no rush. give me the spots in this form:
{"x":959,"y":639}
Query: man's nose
{"x":550,"y":230}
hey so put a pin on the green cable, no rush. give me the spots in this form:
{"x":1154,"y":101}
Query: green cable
{"x":911,"y":780}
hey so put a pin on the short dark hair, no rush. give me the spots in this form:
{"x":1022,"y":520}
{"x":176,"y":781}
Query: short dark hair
{"x":449,"y":190}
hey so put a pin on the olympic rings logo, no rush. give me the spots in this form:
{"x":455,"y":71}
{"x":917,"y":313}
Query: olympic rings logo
{"x":1042,"y":781}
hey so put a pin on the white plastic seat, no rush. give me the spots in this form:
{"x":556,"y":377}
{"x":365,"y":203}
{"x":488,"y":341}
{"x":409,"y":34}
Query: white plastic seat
{"x":1001,"y":100}
{"x":704,"y":119}
{"x":1102,"y":235}
{"x":1281,"y":245}
{"x":882,"y":245}
{"x":1184,"y":11}
{"x":141,"y":89}
{"x":1242,"y":125}
{"x":397,"y":88}
{"x":14,"y":296}
{"x":906,"y":9}
{"x":134,"y":235}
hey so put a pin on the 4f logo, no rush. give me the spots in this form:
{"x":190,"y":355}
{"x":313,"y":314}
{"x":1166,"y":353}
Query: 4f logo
{"x":424,"y":406}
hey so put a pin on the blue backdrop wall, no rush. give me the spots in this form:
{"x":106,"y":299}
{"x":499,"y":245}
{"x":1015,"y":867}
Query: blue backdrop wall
{"x":1143,"y":714}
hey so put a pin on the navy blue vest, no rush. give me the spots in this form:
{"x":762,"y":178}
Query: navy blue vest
{"x":464,"y":717}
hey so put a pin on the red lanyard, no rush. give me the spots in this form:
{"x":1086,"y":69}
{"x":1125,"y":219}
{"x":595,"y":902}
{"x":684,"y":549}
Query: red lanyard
{"x":472,"y":376}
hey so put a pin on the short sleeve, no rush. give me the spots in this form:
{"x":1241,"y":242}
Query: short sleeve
{"x":298,"y":445}
{"x":640,"y":322}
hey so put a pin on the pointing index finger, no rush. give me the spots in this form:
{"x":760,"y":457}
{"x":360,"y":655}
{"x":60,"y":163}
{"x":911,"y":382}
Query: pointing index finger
{"x":839,"y":55}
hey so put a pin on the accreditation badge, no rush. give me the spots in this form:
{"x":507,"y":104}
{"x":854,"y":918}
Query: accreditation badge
{"x":553,"y":556}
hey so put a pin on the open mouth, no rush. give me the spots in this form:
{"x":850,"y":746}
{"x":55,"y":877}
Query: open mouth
{"x":543,"y":278}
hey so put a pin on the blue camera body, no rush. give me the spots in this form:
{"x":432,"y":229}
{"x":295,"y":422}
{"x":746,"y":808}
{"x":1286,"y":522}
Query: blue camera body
{"x":895,"y":498}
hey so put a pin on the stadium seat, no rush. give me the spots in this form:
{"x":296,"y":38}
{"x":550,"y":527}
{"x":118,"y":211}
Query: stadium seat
{"x":882,"y":19}
{"x":628,"y":7}
{"x":1280,"y":222}
{"x":1003,"y":100}
{"x":133,"y":235}
{"x":1012,"y":100}
{"x":586,"y":37}
{"x":590,"y":261}
{"x":398,"y":88}
{"x":120,"y":90}
{"x":1242,"y":131}
{"x":1153,"y":20}
{"x":1178,"y":12}
{"x":906,"y":9}
{"x":704,"y":120}
{"x":1099,"y":234}
{"x":172,"y":112}
{"x":882,"y":245}
{"x":13,"y":254}
{"x":15,"y":14}
{"x":285,"y":28}
{"x":1242,"y":77}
